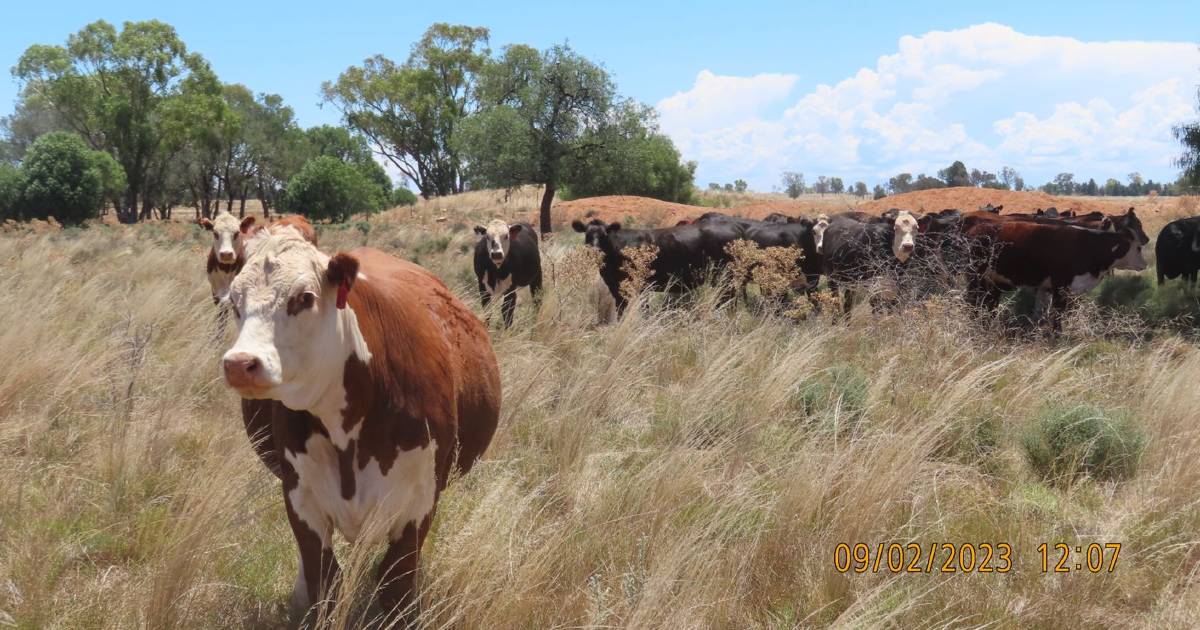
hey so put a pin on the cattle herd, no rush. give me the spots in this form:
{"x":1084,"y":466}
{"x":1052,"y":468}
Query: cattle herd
{"x":366,"y":383}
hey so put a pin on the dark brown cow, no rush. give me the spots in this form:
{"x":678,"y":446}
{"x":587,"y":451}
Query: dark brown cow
{"x":388,"y":383}
{"x":1047,"y":255}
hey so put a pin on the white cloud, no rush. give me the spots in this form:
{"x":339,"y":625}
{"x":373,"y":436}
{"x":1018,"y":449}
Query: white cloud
{"x":986,"y":94}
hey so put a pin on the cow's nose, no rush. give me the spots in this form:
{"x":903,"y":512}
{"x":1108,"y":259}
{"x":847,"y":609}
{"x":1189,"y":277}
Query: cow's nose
{"x":225,"y":257}
{"x":907,"y":247}
{"x":497,"y":256}
{"x":241,"y":369}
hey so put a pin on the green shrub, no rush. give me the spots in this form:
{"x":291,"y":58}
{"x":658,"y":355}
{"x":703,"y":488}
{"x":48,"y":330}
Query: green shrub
{"x":65,"y":179}
{"x":11,"y":184}
{"x":328,"y":189}
{"x":837,"y":394}
{"x":403,"y":197}
{"x":1067,"y":442}
{"x":645,"y":164}
{"x":1173,"y":303}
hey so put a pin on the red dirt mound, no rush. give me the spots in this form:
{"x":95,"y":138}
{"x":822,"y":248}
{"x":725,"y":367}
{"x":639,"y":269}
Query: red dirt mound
{"x":652,"y":212}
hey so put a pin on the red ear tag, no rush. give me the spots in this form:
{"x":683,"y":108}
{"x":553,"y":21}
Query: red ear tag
{"x":343,"y":293}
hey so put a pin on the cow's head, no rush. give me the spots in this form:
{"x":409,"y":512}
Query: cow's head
{"x":497,"y":236}
{"x":596,"y":233}
{"x":227,"y":234}
{"x":295,"y":331}
{"x":1127,"y":221}
{"x":904,"y":238}
{"x":818,"y":230}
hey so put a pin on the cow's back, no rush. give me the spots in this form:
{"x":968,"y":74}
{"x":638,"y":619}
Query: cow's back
{"x":424,"y":315}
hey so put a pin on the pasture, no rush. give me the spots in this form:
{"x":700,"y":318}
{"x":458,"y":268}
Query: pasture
{"x":691,"y":467}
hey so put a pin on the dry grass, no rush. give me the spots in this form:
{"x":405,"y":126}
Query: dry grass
{"x":687,"y":468}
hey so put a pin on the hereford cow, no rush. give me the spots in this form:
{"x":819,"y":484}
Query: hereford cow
{"x":228,"y":237}
{"x":1177,"y":250}
{"x":225,"y":256}
{"x":1045,"y":256}
{"x":507,"y":258}
{"x":387,"y":385}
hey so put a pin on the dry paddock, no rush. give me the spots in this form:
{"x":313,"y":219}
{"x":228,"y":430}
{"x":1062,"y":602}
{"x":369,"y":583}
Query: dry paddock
{"x":684,"y":468}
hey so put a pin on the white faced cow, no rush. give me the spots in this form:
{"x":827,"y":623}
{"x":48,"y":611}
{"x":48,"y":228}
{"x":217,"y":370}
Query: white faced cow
{"x":386,"y":381}
{"x":507,"y":258}
{"x":225,"y":257}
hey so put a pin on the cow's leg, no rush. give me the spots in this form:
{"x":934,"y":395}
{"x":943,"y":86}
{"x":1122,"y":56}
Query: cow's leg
{"x":398,"y":571}
{"x":535,"y":288}
{"x":1058,"y":304}
{"x":314,"y":534}
{"x":1161,"y":279}
{"x":508,"y":306}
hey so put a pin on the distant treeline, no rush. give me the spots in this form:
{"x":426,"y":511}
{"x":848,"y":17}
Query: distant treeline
{"x":452,"y":117}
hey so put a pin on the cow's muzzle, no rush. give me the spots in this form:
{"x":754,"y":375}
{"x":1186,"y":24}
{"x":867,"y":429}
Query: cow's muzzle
{"x":497,"y":257}
{"x":244,"y":372}
{"x":226,"y":257}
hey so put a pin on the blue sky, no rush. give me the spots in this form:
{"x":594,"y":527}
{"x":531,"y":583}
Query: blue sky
{"x":857,"y":89}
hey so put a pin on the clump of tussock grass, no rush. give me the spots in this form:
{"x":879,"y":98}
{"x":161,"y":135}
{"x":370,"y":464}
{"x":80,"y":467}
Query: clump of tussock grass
{"x":1065,"y":442}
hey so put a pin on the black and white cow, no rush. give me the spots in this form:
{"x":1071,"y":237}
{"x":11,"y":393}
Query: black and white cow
{"x":507,"y":258}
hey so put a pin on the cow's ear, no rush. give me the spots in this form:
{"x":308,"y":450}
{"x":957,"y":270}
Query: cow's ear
{"x":205,"y":223}
{"x":341,"y":273}
{"x":514,"y":230}
{"x":578,"y":226}
{"x":997,"y":209}
{"x":1129,"y":212}
{"x":1106,"y":224}
{"x":923,"y":222}
{"x":247,"y":223}
{"x":480,"y":230}
{"x":613,"y":227}
{"x":1039,"y":212}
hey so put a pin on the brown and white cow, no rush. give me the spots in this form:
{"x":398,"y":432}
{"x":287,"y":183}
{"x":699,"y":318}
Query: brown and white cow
{"x":225,"y":256}
{"x":229,"y":234}
{"x":387,"y":382}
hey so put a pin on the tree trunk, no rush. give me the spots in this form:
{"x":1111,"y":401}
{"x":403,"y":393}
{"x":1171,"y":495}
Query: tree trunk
{"x":544,"y":215}
{"x":242,"y":207}
{"x":127,"y":212}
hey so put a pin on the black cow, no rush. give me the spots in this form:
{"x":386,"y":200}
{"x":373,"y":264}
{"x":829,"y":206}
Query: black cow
{"x":679,"y":265}
{"x":798,"y":234}
{"x":854,"y":250}
{"x":507,"y":258}
{"x":1177,"y":250}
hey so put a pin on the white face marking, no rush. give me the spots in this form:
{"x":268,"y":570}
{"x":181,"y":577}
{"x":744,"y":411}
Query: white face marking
{"x":404,"y":495}
{"x":1133,"y":259}
{"x":227,"y":242}
{"x":819,"y":232}
{"x":497,"y":237}
{"x":301,"y":355}
{"x":905,"y":238}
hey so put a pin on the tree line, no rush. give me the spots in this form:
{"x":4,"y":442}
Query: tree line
{"x":452,"y":117}
{"x":957,"y":175}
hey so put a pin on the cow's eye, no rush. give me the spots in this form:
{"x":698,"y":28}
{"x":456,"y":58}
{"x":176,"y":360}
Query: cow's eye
{"x":301,"y":302}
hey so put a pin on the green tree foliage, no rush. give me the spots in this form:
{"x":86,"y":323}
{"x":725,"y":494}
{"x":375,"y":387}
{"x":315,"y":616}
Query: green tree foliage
{"x":955,"y":175}
{"x":740,"y":185}
{"x":539,"y":112}
{"x":860,"y":189}
{"x":410,"y":111}
{"x":402,"y":196}
{"x":822,"y":185}
{"x":65,"y":179}
{"x":1188,"y":134}
{"x":924,"y":182}
{"x":327,"y":188}
{"x":12,"y":184}
{"x":352,"y":149}
{"x":879,"y":192}
{"x":900,"y":184}
{"x":836,"y":186}
{"x":115,"y":90}
{"x":793,"y":184}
